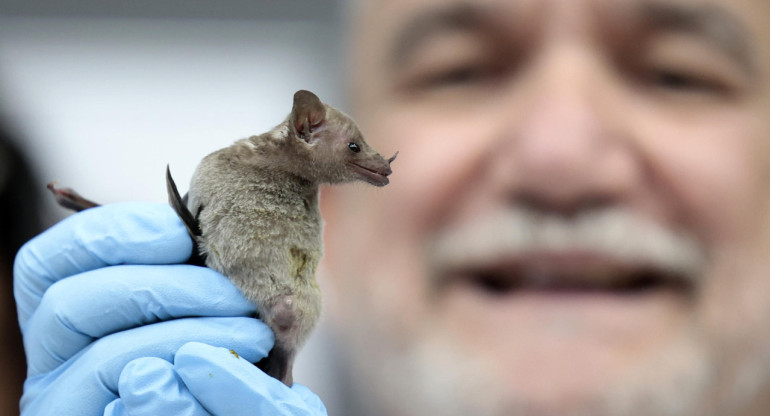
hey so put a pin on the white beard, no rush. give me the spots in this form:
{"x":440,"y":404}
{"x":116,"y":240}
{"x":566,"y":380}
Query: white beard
{"x":434,"y":377}
{"x":715,"y":367}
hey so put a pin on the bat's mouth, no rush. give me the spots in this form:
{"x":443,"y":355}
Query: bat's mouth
{"x":376,"y":177}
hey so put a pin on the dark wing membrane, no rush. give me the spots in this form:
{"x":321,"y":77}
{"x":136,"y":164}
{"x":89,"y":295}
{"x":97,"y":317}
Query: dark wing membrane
{"x":178,"y":203}
{"x":68,"y":198}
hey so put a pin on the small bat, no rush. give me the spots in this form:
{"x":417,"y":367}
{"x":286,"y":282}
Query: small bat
{"x":252,"y":211}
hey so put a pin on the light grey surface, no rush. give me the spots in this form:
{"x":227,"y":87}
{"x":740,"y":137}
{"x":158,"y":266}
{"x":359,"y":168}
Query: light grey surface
{"x":200,"y":9}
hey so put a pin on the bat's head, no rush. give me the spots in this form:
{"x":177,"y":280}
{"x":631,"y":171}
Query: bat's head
{"x":334,"y":147}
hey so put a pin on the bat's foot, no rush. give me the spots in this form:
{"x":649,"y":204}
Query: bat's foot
{"x":278,"y":364}
{"x":68,"y":198}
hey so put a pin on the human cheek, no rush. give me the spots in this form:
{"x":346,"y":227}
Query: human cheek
{"x":711,"y":169}
{"x":439,"y":157}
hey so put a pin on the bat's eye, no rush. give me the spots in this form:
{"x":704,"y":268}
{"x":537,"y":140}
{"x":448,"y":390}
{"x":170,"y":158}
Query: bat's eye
{"x":354,"y":147}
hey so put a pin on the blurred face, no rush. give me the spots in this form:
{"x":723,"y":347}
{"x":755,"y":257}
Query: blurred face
{"x":578,"y":219}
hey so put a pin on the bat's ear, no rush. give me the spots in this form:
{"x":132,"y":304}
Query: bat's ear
{"x":307,"y":113}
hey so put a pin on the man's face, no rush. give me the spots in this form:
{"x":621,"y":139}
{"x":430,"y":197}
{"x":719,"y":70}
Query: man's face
{"x":579,"y":217}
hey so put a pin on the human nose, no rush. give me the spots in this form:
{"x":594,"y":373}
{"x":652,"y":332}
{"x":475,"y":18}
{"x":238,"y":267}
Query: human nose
{"x":566,"y":148}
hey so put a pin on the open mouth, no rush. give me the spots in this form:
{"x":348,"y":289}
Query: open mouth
{"x":610,"y":251}
{"x":371,"y":176}
{"x":568,"y":273}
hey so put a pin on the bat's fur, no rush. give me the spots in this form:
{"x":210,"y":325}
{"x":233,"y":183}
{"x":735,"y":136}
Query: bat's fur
{"x":254,"y":214}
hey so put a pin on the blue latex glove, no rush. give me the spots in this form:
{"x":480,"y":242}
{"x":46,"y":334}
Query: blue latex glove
{"x":198,"y":380}
{"x":103,"y":289}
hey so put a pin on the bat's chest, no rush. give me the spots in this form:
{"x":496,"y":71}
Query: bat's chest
{"x":266,"y":244}
{"x":262,"y":220}
{"x":284,"y":211}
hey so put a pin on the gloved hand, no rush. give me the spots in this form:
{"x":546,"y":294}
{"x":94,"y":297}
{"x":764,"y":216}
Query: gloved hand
{"x":207,"y":380}
{"x":102,"y":289}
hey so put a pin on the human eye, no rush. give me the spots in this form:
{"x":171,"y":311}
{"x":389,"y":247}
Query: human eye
{"x":461,"y":74}
{"x":685,"y":67}
{"x":682,"y":81}
{"x":451,"y":63}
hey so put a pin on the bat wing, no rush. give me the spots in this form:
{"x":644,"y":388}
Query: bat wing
{"x":68,"y":198}
{"x":178,"y":203}
{"x":190,"y":221}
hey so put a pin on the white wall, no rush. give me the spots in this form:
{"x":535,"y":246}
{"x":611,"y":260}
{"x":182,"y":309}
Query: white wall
{"x":103,"y":104}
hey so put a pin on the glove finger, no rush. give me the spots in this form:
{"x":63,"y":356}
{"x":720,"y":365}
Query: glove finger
{"x":116,"y":408}
{"x":226,"y":384}
{"x":79,"y":309}
{"x":313,"y":401}
{"x":86,"y":383}
{"x":133,"y":233}
{"x":149,"y":386}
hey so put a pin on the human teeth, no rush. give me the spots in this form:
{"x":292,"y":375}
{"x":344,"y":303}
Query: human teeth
{"x":603,"y":275}
{"x":539,"y":277}
{"x":595,"y":276}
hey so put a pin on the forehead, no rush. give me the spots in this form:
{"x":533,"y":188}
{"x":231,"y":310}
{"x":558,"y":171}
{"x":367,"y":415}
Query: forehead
{"x":385,"y":20}
{"x":385,"y":29}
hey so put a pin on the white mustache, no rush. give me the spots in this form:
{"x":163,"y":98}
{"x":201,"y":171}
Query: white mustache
{"x":614,"y":233}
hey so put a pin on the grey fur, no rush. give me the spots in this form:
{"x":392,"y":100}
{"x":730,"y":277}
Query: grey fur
{"x":256,"y":207}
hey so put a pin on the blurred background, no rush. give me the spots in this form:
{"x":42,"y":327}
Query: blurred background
{"x":101,"y":95}
{"x":104,"y":93}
